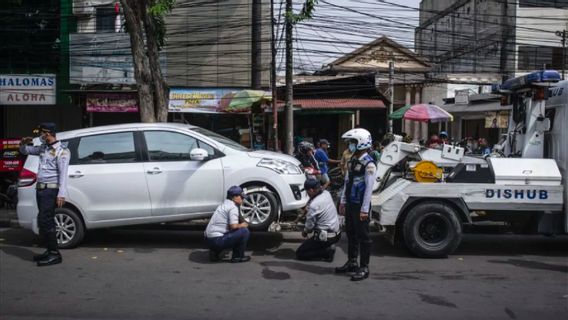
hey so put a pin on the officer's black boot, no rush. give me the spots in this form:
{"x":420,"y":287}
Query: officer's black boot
{"x":349,"y":266}
{"x":38,"y":257}
{"x":54,"y":257}
{"x":361,"y":274}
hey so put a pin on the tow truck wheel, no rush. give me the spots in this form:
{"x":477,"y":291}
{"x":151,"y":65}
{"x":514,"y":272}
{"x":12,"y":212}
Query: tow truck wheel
{"x":432,"y":230}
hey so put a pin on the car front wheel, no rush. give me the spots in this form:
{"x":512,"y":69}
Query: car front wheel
{"x":259,"y":209}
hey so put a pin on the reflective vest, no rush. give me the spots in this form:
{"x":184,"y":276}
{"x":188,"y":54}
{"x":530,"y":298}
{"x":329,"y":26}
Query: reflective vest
{"x":355,"y":189}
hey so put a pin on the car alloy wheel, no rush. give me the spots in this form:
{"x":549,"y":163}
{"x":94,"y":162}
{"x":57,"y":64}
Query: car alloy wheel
{"x":256,"y":208}
{"x":65,"y":228}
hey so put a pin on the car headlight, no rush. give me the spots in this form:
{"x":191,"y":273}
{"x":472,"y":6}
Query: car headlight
{"x":280,"y":166}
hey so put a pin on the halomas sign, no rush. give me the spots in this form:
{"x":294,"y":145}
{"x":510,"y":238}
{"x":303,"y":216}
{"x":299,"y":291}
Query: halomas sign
{"x":29,"y":89}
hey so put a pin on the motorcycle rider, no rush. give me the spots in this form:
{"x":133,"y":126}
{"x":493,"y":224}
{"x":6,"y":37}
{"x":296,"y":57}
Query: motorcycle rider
{"x":305,"y":155}
{"x":355,"y":203}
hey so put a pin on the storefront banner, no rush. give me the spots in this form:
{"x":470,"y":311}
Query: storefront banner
{"x":497,"y":119}
{"x":197,"y":100}
{"x":27,"y":89}
{"x":10,"y":157}
{"x":112,"y":102}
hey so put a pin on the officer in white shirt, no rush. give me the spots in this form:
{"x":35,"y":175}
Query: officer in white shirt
{"x":51,"y":186}
{"x":224,"y":230}
{"x":322,"y":220}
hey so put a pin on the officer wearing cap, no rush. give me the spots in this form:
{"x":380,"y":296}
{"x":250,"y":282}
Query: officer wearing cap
{"x":224,"y":230}
{"x":51,"y":186}
{"x":322,"y":221}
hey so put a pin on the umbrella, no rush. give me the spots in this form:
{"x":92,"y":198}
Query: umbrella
{"x":399,"y":113}
{"x":242,"y":101}
{"x":427,"y":112}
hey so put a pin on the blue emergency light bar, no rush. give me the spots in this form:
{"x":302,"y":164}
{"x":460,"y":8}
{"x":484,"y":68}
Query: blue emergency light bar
{"x":537,"y":78}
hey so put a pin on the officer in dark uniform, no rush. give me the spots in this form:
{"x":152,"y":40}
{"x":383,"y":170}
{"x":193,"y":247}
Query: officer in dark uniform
{"x":51,"y":186}
{"x":355,"y":203}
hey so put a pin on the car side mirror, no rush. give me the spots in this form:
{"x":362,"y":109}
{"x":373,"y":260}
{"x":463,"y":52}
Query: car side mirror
{"x":198,"y":154}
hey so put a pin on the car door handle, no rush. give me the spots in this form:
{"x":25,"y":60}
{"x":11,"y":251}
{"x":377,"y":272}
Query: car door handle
{"x":77,"y":174}
{"x":156,"y":170}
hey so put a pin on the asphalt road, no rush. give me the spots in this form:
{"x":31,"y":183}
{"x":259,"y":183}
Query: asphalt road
{"x":165,"y":274}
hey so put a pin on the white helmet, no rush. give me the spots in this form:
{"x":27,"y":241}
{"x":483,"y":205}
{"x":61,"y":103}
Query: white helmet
{"x":362,"y":136}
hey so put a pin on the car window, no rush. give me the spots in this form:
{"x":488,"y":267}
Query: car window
{"x":219,"y":138}
{"x":107,"y":148}
{"x":206,"y":147}
{"x":169,"y":146}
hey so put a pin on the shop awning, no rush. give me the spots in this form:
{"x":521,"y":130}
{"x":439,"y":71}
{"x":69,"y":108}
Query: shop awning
{"x":339,"y":104}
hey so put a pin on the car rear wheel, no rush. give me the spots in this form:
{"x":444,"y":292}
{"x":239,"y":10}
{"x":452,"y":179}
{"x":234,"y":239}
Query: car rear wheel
{"x":259,"y":209}
{"x":69,"y":228}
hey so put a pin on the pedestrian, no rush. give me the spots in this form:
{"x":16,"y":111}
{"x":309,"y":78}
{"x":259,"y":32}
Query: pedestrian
{"x":225,"y":231}
{"x":51,"y":187}
{"x":322,"y":220}
{"x":344,"y":162}
{"x":375,"y":152}
{"x":434,"y":142}
{"x":355,"y":203}
{"x":483,"y":147}
{"x":323,"y":159}
{"x":444,"y":137}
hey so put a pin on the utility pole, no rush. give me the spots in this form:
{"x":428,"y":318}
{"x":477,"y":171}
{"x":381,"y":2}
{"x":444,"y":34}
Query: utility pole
{"x":256,"y":72}
{"x":563,"y":34}
{"x":504,"y":40}
{"x":273,"y":78}
{"x":289,"y":112}
{"x":391,"y":93}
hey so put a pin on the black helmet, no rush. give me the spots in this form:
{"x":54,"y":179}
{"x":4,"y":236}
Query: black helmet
{"x":305,"y":146}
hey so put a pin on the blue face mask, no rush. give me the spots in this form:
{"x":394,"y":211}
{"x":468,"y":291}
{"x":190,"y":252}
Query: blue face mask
{"x":352,"y":147}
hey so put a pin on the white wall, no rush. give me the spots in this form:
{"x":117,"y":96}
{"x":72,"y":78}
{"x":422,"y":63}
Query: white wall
{"x":536,"y":26}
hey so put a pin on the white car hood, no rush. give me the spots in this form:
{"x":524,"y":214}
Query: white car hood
{"x":273,"y":155}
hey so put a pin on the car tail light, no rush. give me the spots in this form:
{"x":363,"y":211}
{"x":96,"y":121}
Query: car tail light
{"x":26,"y":178}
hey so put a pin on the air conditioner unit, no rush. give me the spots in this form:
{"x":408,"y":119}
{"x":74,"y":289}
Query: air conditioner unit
{"x":83,"y":7}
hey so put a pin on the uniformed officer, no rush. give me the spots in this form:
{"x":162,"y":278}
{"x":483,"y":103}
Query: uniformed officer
{"x":355,"y":203}
{"x":224,"y":230}
{"x":51,"y":186}
{"x":322,"y":220}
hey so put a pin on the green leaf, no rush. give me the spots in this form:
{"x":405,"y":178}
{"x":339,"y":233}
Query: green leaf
{"x":306,"y":13}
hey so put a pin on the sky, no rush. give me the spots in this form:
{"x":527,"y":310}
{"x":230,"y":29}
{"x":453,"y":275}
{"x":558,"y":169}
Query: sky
{"x":341,"y":26}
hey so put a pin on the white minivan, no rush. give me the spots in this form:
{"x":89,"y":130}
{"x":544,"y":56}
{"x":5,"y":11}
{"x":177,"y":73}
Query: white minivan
{"x":160,"y":172}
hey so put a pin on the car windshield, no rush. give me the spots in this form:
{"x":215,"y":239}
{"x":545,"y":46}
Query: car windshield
{"x":219,"y":138}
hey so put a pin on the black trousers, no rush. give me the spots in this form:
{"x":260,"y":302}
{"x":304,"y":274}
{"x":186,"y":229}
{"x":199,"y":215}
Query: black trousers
{"x":313,"y":249}
{"x":359,"y":242}
{"x":46,"y":202}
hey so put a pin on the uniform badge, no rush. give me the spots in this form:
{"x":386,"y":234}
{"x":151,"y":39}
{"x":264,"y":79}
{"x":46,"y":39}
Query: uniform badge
{"x":358,"y":167}
{"x":52,"y":152}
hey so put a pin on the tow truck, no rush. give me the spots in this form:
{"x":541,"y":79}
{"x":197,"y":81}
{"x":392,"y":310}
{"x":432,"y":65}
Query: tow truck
{"x":426,"y":196}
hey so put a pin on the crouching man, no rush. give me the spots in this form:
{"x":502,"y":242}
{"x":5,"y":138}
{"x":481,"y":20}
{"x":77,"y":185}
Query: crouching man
{"x":224,"y":230}
{"x":322,"y":220}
